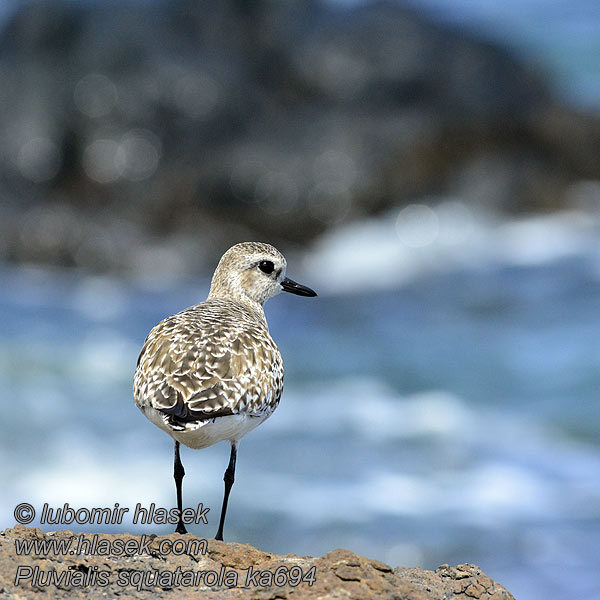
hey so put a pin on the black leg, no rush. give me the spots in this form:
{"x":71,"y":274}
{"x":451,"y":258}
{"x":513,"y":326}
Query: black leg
{"x":228,"y":478}
{"x":178,"y":473}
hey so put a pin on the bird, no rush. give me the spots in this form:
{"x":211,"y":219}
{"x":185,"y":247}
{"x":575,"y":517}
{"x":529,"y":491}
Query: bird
{"x":212,"y":372}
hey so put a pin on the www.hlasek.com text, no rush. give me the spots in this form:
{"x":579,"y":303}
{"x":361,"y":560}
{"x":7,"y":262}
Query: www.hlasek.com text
{"x":98,"y":545}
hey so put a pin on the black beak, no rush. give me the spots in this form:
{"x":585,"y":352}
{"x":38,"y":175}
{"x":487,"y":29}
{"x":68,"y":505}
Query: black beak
{"x":295,"y":288}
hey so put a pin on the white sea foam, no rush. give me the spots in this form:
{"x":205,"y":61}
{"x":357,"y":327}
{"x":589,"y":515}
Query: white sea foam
{"x":87,"y":473}
{"x":368,"y":408}
{"x":100,"y":298}
{"x":488,"y":469}
{"x":439,"y":235}
{"x":104,"y":356}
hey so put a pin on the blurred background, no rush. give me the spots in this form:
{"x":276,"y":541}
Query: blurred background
{"x":431,"y":168}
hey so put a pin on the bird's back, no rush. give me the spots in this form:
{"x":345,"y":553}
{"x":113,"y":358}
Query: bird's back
{"x":211,"y":360}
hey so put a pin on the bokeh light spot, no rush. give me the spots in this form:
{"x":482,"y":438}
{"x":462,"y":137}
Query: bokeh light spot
{"x":329,"y":202}
{"x":95,"y":95}
{"x":417,"y":225}
{"x":138,"y":155}
{"x":99,"y":161}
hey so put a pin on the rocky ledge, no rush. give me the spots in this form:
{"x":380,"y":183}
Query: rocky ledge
{"x":64,"y":564}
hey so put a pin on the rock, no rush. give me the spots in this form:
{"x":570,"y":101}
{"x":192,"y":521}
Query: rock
{"x":184,"y":565}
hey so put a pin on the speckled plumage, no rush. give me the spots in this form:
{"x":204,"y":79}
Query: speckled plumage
{"x":212,"y":360}
{"x":212,"y":372}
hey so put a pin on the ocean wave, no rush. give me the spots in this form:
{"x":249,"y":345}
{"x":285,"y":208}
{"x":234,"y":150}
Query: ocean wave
{"x":438,"y":236}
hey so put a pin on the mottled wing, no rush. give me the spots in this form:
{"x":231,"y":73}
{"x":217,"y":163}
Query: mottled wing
{"x":192,"y":369}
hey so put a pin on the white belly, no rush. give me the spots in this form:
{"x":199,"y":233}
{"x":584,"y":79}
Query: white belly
{"x":231,"y":428}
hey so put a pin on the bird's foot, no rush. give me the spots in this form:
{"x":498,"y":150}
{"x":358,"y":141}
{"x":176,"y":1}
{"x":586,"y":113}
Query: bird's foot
{"x":181,"y":528}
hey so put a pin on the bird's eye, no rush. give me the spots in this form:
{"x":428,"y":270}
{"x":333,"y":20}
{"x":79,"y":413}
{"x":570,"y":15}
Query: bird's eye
{"x":266,"y":266}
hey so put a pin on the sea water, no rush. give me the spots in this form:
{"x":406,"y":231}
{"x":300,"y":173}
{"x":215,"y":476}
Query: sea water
{"x":440,"y":405}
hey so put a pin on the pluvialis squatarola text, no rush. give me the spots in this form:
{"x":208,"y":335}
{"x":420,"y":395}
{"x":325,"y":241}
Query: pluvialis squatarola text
{"x":212,"y":372}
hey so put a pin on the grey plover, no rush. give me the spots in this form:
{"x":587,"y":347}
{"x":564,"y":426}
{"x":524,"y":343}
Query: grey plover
{"x":212,"y":372}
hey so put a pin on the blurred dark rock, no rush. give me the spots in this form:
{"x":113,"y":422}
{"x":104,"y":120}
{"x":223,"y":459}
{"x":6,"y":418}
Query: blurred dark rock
{"x":134,"y":575}
{"x":153,"y":134}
